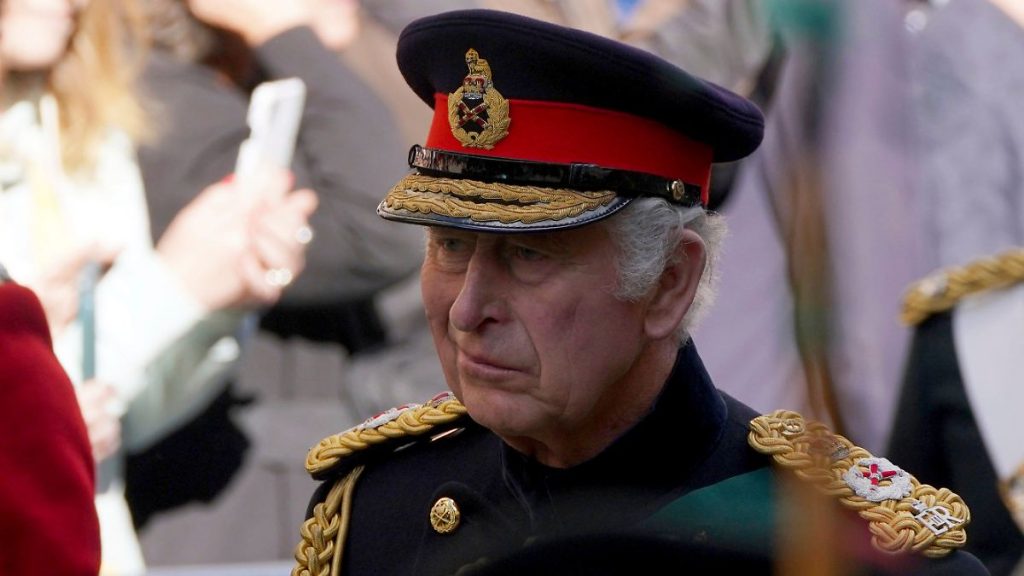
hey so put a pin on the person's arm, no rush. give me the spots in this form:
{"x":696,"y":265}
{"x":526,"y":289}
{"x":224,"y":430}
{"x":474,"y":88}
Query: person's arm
{"x":348,"y":151}
{"x":726,"y":42}
{"x":211,"y":259}
{"x":140,"y":304}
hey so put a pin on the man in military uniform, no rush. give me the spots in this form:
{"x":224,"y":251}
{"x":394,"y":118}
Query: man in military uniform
{"x":568,"y":254}
{"x":959,"y":410}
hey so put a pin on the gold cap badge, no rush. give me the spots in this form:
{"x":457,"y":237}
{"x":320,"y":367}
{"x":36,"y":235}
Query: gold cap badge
{"x":477,"y":112}
{"x":444,"y":516}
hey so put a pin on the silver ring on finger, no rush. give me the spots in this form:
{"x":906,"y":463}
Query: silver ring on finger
{"x":304,"y":235}
{"x":278,"y":277}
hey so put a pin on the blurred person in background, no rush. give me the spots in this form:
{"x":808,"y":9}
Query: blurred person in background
{"x":47,"y":513}
{"x":958,"y":417}
{"x":370,"y":51}
{"x":381,"y":377}
{"x":74,"y":228}
{"x":207,"y":57}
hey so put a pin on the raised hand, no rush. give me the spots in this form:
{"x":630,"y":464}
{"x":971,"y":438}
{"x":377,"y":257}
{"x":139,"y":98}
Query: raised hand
{"x":234,"y":247}
{"x":102,"y":409}
{"x":255,"y":20}
{"x":57,"y":284}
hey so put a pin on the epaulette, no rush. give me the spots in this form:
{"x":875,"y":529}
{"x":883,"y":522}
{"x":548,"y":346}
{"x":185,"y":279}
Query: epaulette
{"x":903,"y":514}
{"x":942,"y":290}
{"x":323,"y":533}
{"x":394,"y":428}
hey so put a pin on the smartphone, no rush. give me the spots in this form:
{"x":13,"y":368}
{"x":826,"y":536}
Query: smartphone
{"x":275,"y":112}
{"x":87,"y":317}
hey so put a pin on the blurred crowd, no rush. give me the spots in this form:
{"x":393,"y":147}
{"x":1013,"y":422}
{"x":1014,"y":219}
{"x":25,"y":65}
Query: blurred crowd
{"x":214,"y":329}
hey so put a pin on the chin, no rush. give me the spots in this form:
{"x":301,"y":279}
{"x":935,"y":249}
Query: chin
{"x":42,"y":56}
{"x":501,"y":411}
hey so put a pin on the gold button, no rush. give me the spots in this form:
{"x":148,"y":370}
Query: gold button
{"x":444,"y":516}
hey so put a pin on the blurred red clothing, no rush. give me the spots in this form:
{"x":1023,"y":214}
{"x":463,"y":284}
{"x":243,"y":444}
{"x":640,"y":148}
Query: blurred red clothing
{"x":48,"y":521}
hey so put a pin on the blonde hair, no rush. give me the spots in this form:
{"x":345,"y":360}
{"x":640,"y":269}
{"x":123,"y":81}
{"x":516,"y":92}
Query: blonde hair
{"x":94,"y":82}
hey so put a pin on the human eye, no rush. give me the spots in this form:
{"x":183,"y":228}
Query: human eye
{"x":451,"y":245}
{"x":529,"y":263}
{"x":526,"y":254}
{"x":450,"y":251}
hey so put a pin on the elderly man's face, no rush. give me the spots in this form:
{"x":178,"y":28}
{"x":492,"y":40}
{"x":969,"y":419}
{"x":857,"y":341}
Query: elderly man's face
{"x":528,"y":332}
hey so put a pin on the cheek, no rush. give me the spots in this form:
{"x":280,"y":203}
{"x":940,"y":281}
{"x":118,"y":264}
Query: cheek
{"x":438,"y":296}
{"x":582,"y":331}
{"x":30,"y":42}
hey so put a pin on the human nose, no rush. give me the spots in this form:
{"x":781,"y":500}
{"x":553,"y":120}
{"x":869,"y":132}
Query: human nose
{"x":479,"y":300}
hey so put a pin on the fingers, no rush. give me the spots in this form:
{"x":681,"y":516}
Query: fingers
{"x":101,"y":410}
{"x":304,"y":201}
{"x":262,"y":287}
{"x":267,"y":186}
{"x":260,"y":239}
{"x":277,"y":249}
{"x":69,"y":265}
{"x":58,"y":285}
{"x":279,"y":238}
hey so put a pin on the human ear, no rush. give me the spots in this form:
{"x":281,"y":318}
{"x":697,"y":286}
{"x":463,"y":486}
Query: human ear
{"x":676,"y":288}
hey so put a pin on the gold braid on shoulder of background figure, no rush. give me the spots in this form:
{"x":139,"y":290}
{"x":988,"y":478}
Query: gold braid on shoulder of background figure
{"x":323,"y":534}
{"x":942,"y":290}
{"x":903,"y":514}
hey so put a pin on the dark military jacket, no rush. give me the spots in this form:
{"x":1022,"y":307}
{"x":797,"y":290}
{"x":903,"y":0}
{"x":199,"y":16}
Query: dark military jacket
{"x":683,"y":485}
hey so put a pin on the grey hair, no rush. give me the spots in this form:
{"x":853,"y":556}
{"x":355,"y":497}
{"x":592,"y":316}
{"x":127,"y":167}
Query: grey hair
{"x":647,"y":233}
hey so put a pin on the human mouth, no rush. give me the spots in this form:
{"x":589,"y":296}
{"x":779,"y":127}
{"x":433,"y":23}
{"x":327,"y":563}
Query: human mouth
{"x":483,"y":366}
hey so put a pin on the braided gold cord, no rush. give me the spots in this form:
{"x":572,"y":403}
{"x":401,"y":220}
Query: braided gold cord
{"x":821,"y":458}
{"x":1011,"y":489}
{"x":323,"y":534}
{"x":942,"y":290}
{"x":491,"y":201}
{"x":411,"y":422}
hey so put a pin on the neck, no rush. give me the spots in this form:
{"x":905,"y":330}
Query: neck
{"x":17,"y":86}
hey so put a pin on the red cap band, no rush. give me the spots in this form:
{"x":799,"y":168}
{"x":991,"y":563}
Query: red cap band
{"x":562,"y":133}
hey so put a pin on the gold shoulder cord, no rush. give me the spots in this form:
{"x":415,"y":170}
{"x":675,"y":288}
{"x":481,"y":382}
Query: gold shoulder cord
{"x":943,"y":289}
{"x":323,"y":535}
{"x":917,"y":518}
{"x":411,"y":422}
